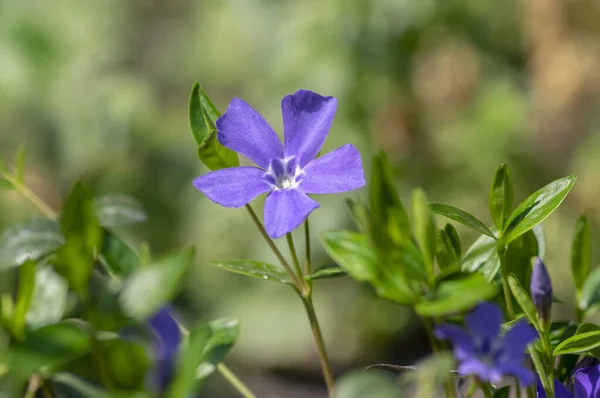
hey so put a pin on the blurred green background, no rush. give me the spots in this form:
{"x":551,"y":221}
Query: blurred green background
{"x":98,"y":91}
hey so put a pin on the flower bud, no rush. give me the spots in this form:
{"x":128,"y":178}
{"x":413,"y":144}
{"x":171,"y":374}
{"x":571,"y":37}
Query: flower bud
{"x":541,"y":290}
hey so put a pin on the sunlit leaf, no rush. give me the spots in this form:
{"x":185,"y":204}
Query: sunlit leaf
{"x":327,"y":272}
{"x":255,"y":269}
{"x":117,"y":209}
{"x":462,"y":217}
{"x":578,"y":344}
{"x":524,"y":301}
{"x":49,"y":298}
{"x":501,"y":196}
{"x":424,"y":227}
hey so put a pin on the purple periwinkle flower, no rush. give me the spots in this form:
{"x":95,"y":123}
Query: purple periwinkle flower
{"x":483,"y":352}
{"x":541,"y":290}
{"x":586,"y":384}
{"x":167,"y":337}
{"x":286,"y":172}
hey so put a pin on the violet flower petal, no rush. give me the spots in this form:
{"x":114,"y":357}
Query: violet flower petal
{"x":461,"y":341}
{"x":338,"y":171}
{"x":168,"y":337}
{"x":517,"y":370}
{"x":244,"y":130}
{"x":233,"y":187}
{"x":307,"y":118}
{"x":587,"y":382}
{"x":516,"y":340}
{"x":285,"y":210}
{"x":560,"y":391}
{"x":484,"y":321}
{"x":473,"y":366}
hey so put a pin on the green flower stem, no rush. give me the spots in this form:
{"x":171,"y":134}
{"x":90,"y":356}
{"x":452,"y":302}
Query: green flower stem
{"x":28,"y":194}
{"x":505,"y":288}
{"x":549,"y":361}
{"x":319,"y":342}
{"x":290,"y":241}
{"x":234,"y":381}
{"x":225,"y":371}
{"x":284,"y":263}
{"x":307,"y":240}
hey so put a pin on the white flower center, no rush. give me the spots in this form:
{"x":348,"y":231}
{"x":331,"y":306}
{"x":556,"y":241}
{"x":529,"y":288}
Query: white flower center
{"x":286,"y":183}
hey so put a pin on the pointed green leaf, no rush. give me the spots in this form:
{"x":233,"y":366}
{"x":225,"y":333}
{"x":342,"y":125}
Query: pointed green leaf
{"x":119,"y":256}
{"x":20,"y":163}
{"x":32,"y":239}
{"x":579,"y":344}
{"x":524,"y":302}
{"x":224,"y":333}
{"x":118,"y":209}
{"x":540,"y":369}
{"x":354,"y":253}
{"x":501,"y":196}
{"x":590,"y":294}
{"x":151,"y":287}
{"x":255,"y":269}
{"x":537,"y":207}
{"x":191,"y":355}
{"x":49,"y":301}
{"x":327,"y":272}
{"x":24,"y":295}
{"x":424,"y":227}
{"x":360,"y":215}
{"x":456,"y":295}
{"x":519,"y":254}
{"x":581,"y":252}
{"x":447,"y":252}
{"x":482,"y":256}
{"x":453,"y":239}
{"x":214,"y":155}
{"x":590,"y":327}
{"x":462,"y":217}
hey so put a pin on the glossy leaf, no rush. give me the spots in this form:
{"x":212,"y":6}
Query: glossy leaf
{"x":255,"y":269}
{"x":33,"y":239}
{"x":540,"y":237}
{"x":224,"y":333}
{"x":119,"y":256}
{"x":327,"y":272}
{"x":49,"y":298}
{"x":519,"y":254}
{"x":191,"y":355}
{"x":540,"y":367}
{"x":24,"y":296}
{"x":462,"y":217}
{"x":579,"y":344}
{"x":151,"y":287}
{"x":482,"y":256}
{"x":354,"y":253}
{"x":117,"y":210}
{"x":581,"y":251}
{"x":590,"y":327}
{"x":83,"y":236}
{"x":456,"y":295}
{"x":524,"y":302}
{"x":501,"y":196}
{"x":537,"y":207}
{"x":424,"y":227}
{"x":203,"y":116}
{"x":446,"y":251}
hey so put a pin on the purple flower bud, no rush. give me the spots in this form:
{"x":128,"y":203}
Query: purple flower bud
{"x":541,"y":290}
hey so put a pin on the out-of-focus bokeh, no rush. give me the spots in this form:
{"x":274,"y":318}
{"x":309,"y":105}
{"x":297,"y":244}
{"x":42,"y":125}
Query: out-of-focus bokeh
{"x":98,"y":91}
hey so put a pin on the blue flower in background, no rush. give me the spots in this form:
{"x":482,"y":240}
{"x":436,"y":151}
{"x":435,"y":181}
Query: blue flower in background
{"x":286,"y":172}
{"x":483,"y":352}
{"x":167,"y":338}
{"x":586,"y":384}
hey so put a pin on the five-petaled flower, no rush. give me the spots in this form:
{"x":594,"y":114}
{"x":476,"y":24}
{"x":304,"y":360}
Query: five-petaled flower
{"x":167,"y":337}
{"x":483,"y":352}
{"x":287,"y":172}
{"x":586,"y":382}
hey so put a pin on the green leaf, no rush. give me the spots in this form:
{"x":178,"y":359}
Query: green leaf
{"x":119,"y":256}
{"x":105,"y":311}
{"x":5,"y":184}
{"x":224,"y":333}
{"x":579,"y":344}
{"x":24,"y":296}
{"x":327,"y":272}
{"x":540,"y":368}
{"x":203,"y":116}
{"x":127,"y":363}
{"x":151,"y":287}
{"x":33,"y":239}
{"x":524,"y":301}
{"x":537,"y":207}
{"x":360,"y":215}
{"x":68,"y":385}
{"x":540,"y":237}
{"x":581,"y":252}
{"x":503,"y":392}
{"x":454,"y":239}
{"x":590,"y":327}
{"x":456,"y":295}
{"x":482,"y":256}
{"x":117,"y":210}
{"x":354,"y":253}
{"x":462,"y":217}
{"x":20,"y":163}
{"x":256,"y":269}
{"x":424,"y":227}
{"x":446,"y":250}
{"x":49,"y":301}
{"x":590,"y":294}
{"x":47,"y":349}
{"x":83,"y":236}
{"x":501,"y":196}
{"x":191,"y":356}
{"x":519,"y":254}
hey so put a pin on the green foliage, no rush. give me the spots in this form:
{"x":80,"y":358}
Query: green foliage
{"x":501,"y":196}
{"x":118,"y":210}
{"x":581,"y":254}
{"x":256,"y":269}
{"x":524,"y":302}
{"x":462,"y":217}
{"x":327,"y":272}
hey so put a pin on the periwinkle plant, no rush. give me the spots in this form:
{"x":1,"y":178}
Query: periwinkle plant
{"x":121,"y":337}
